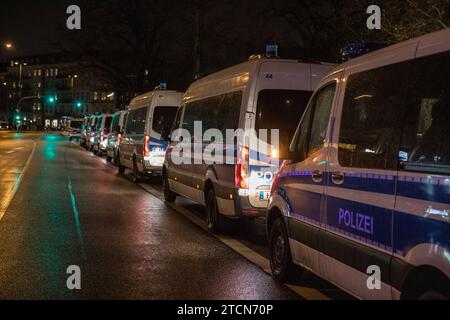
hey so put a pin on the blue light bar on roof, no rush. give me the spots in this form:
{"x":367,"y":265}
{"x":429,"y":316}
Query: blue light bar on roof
{"x":163,"y":86}
{"x":271,"y":51}
{"x":354,"y":50}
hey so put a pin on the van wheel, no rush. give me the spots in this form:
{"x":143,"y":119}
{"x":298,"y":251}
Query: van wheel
{"x":136,"y":177}
{"x":283,"y":269}
{"x":169,"y":195}
{"x":214,"y":218}
{"x":115,"y":159}
{"x":121,"y":168}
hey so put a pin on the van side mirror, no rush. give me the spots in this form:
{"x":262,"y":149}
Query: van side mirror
{"x":165,"y":134}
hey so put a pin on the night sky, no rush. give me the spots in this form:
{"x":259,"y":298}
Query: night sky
{"x":33,"y":26}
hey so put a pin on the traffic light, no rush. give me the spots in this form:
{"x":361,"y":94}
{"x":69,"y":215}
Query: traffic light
{"x":79,"y":104}
{"x":52,"y":99}
{"x":18,"y":117}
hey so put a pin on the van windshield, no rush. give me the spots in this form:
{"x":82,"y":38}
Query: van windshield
{"x":281,"y":109}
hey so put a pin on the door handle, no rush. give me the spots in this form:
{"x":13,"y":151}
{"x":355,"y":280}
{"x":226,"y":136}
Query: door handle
{"x":317,"y":176}
{"x":337,"y":177}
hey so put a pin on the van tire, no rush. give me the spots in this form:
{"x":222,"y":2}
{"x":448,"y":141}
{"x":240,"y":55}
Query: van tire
{"x":136,"y":176}
{"x":283,"y":269}
{"x":213,"y":216}
{"x":120,"y":167}
{"x":169,"y":195}
{"x":115,"y":159}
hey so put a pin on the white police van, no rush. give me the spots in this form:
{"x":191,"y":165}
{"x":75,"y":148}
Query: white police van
{"x":149,"y":115}
{"x":367,"y":188}
{"x":262,"y":93}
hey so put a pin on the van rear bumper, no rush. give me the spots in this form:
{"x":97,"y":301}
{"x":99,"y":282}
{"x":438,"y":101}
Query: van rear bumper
{"x":235,"y":203}
{"x":243,"y":207}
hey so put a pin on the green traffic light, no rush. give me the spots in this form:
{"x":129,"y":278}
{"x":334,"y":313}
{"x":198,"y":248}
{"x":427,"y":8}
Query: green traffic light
{"x":79,"y":104}
{"x":17,"y":117}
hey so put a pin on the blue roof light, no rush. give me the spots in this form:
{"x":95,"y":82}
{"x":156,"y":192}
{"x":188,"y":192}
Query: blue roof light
{"x":272,"y":51}
{"x":354,"y":50}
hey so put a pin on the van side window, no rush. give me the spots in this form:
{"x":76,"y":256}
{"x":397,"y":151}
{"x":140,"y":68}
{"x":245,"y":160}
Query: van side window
{"x":372,"y":115}
{"x":136,"y":121}
{"x":425,"y":144}
{"x":322,"y":110}
{"x":219,"y":112}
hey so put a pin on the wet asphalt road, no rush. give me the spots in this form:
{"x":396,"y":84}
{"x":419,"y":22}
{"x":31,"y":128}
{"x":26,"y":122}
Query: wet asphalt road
{"x":69,"y":208}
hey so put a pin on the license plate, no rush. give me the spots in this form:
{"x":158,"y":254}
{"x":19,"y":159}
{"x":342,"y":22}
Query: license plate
{"x":264,"y":195}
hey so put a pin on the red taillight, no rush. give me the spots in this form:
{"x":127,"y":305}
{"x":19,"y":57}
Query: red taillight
{"x":241,"y":168}
{"x":145,"y":149}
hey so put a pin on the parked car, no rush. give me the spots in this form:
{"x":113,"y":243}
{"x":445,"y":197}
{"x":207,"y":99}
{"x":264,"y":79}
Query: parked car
{"x":119,"y":120}
{"x":101,"y":134}
{"x":258,"y":94}
{"x":363,"y":199}
{"x":4,"y":125}
{"x":74,"y":128}
{"x":141,"y":148}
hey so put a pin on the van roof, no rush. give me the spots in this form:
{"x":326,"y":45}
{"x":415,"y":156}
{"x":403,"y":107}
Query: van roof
{"x":136,"y":101}
{"x":240,"y":73}
{"x":434,"y":37}
{"x":248,"y":66}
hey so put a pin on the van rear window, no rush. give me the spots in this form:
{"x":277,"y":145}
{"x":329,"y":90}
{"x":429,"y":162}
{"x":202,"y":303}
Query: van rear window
{"x":163,"y":117}
{"x":281,"y":109}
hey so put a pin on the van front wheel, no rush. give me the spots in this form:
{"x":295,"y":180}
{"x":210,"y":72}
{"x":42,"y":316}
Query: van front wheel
{"x":169,"y":195}
{"x":283,"y":269}
{"x":215,"y":219}
{"x":119,"y":165}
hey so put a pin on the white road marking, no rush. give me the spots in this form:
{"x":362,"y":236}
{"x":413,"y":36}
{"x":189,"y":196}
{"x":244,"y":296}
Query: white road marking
{"x":237,"y":246}
{"x":10,"y":151}
{"x":4,"y":205}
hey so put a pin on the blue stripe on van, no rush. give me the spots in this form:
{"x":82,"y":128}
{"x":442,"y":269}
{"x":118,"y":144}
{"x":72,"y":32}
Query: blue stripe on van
{"x":161,"y":143}
{"x":411,"y":230}
{"x":408,"y":230}
{"x":437,"y":190}
{"x":365,"y":223}
{"x":433,"y":189}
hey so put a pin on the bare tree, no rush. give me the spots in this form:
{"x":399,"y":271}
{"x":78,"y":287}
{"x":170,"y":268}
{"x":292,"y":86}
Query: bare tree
{"x":404,"y":20}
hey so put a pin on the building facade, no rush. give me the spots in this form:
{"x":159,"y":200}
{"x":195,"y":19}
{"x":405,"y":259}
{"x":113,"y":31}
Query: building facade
{"x":46,"y":90}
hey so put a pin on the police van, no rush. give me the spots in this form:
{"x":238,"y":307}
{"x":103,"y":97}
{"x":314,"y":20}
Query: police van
{"x":74,"y":129}
{"x":101,"y":134}
{"x":90,"y":131}
{"x":115,"y":135}
{"x":364,"y":199}
{"x":263,"y":93}
{"x":141,"y":148}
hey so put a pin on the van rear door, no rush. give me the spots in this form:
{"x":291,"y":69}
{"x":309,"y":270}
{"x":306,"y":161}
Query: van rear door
{"x":283,"y":92}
